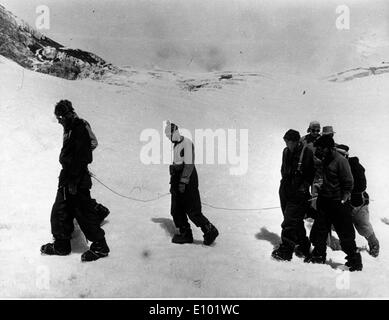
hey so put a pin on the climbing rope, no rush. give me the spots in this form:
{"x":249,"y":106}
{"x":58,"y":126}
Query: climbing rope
{"x":128,"y":197}
{"x":237,"y":209}
{"x":166,"y":194}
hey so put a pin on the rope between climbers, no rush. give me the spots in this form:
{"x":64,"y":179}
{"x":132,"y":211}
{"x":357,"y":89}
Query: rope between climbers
{"x":128,"y":197}
{"x":237,"y":209}
{"x":166,"y":194}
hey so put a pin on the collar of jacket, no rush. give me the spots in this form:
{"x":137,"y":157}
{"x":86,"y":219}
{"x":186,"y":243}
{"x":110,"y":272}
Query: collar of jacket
{"x":178,"y":142}
{"x":72,"y":124}
{"x":331,"y":157}
{"x":297,"y":149}
{"x":310,"y":139}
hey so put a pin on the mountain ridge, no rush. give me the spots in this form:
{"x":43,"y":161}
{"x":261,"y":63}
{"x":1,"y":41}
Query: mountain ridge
{"x":33,"y":50}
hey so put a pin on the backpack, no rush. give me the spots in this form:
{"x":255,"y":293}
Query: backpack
{"x":93,"y":139}
{"x":359,"y":195}
{"x":358,"y":172}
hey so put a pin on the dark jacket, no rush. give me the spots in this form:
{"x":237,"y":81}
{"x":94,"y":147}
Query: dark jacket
{"x":75,"y":154}
{"x":308,"y":141}
{"x":338,"y":180}
{"x":184,"y":159}
{"x":295,"y":179}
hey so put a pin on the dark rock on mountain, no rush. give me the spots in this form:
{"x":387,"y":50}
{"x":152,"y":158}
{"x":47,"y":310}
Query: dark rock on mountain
{"x":33,"y":50}
{"x":359,"y":73}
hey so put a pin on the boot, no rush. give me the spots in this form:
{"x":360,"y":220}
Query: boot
{"x":97,"y":250}
{"x":354,"y":262}
{"x":185,"y":236}
{"x":303,"y":250}
{"x":316,"y":257}
{"x":58,"y":248}
{"x":374,"y":246}
{"x":210,"y":233}
{"x":282,"y":253}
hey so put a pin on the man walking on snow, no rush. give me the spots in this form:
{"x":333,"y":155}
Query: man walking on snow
{"x":185,"y":196}
{"x":333,"y":206}
{"x":73,"y":198}
{"x":297,"y":173}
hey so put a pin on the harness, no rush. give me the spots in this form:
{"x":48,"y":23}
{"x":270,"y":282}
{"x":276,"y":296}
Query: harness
{"x":300,"y":162}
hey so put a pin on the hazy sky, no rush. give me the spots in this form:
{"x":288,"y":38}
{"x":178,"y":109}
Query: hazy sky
{"x":219,"y":34}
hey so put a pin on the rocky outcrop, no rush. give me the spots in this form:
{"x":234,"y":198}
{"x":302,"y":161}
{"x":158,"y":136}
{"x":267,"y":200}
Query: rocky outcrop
{"x":33,"y":50}
{"x":359,"y":73}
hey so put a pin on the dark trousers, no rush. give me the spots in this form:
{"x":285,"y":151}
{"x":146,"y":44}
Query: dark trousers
{"x":333,"y":212}
{"x":79,"y":206}
{"x":187,"y":204}
{"x":294,"y":207}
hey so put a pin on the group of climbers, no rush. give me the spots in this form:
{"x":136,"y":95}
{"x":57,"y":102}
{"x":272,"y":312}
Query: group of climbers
{"x":320,"y":181}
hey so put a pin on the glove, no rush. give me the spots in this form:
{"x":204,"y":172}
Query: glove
{"x":72,"y":188}
{"x":181,"y":187}
{"x":345,"y":198}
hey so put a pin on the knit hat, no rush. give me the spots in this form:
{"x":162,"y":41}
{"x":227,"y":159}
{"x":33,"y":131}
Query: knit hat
{"x":327,"y":130}
{"x":325,"y":141}
{"x":63,"y":107}
{"x":292,"y":135}
{"x":343,"y":149}
{"x":313,"y":125}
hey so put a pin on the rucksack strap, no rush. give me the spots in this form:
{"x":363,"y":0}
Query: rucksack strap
{"x":301,"y":159}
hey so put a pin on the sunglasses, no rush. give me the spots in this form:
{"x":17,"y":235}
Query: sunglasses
{"x":315,"y":130}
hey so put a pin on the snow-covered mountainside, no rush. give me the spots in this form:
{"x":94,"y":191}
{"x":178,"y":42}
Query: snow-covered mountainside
{"x":33,"y":50}
{"x":143,"y":261}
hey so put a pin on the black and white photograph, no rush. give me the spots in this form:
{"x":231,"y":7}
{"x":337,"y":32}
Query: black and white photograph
{"x":194,"y":149}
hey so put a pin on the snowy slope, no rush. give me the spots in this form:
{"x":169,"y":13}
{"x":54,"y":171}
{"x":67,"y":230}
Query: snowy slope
{"x":143,"y":262}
